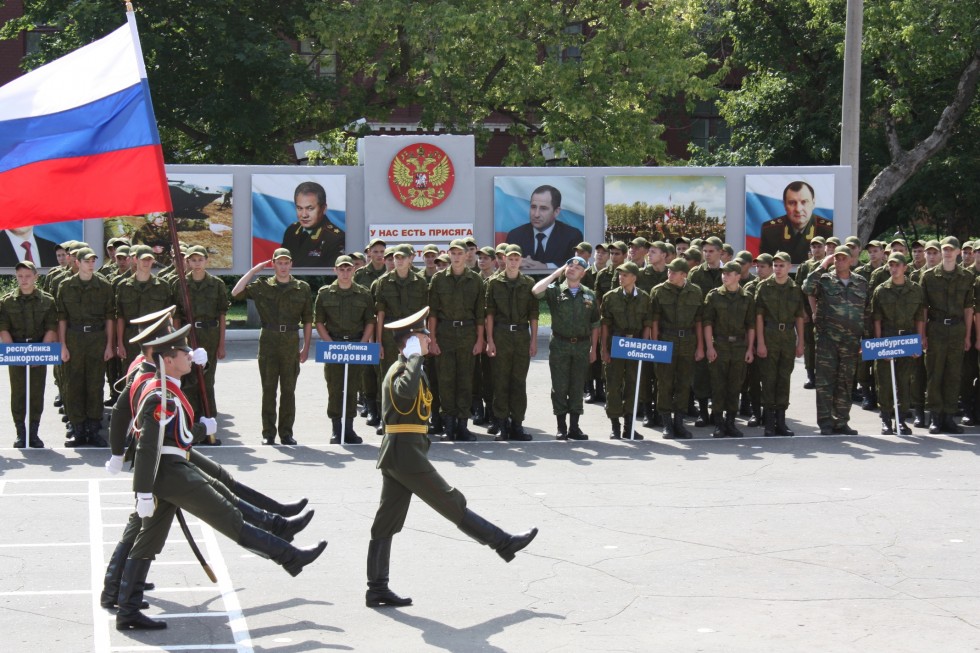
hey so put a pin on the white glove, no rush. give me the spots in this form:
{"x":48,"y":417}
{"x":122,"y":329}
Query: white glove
{"x":144,"y":504}
{"x":199,"y":357}
{"x":210,"y":425}
{"x":114,"y":464}
{"x":412,"y":347}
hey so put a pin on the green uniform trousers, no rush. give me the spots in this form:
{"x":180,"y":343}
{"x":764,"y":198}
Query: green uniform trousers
{"x":903,"y":379}
{"x":918,"y":383}
{"x":809,"y":346}
{"x":278,"y":370}
{"x":509,"y":373}
{"x":727,"y":375}
{"x":569,"y":364}
{"x":85,"y":376}
{"x":776,"y":368}
{"x":702,"y":380}
{"x":455,"y":362}
{"x":18,"y":391}
{"x":836,"y":358}
{"x":944,"y":366}
{"x":674,"y":378}
{"x":620,"y":387}
{"x":333,"y":373}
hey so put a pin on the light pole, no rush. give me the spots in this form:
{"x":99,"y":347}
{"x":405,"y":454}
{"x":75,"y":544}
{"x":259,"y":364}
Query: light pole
{"x":850,"y":136}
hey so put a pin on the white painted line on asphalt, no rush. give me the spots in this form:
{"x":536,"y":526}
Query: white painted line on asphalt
{"x":182,"y":615}
{"x":3,"y":486}
{"x":236,"y":618}
{"x":97,"y":571}
{"x":183,"y":647}
{"x":44,"y":592}
{"x":190,"y":523}
{"x":67,"y":480}
{"x":63,"y":494}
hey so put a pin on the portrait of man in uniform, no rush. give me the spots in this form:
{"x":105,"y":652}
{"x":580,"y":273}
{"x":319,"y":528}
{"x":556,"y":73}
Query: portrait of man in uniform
{"x":788,"y":221}
{"x":315,"y":241}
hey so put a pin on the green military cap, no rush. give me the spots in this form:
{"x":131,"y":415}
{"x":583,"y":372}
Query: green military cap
{"x":933,"y":244}
{"x":696,"y":242}
{"x":430,"y":248}
{"x":898,"y":258}
{"x":682,"y":239}
{"x":852,"y":240}
{"x":443,"y":258}
{"x":282,"y":252}
{"x":640,"y":241}
{"x":27,"y":265}
{"x":732,"y":266}
{"x":122,"y":240}
{"x":967,"y":245}
{"x":874,"y":243}
{"x":405,"y":250}
{"x":375,"y":241}
{"x":513,"y":249}
{"x":629,"y":267}
{"x":110,"y":243}
{"x":950,"y":241}
{"x":843,"y":249}
{"x":817,"y":239}
{"x":68,"y":244}
{"x":414,"y":323}
{"x":917,"y":243}
{"x":122,"y":250}
{"x":488,"y":251}
{"x":390,"y":251}
{"x":358,"y":256}
{"x":621,"y":246}
{"x":897,"y":239}
{"x":85,"y":253}
{"x":659,"y":244}
{"x":470,"y":241}
{"x":766,"y":259}
{"x":343,"y":261}
{"x":459,"y":243}
{"x":678,"y":265}
{"x":197,"y":250}
{"x":784,"y":256}
{"x":603,"y":246}
{"x":584,"y":247}
{"x":669,"y":248}
{"x":833,"y":240}
{"x":744,"y":256}
{"x":714,"y":241}
{"x":173,"y":340}
{"x":141,"y":252}
{"x":728,"y":249}
{"x":693,"y":253}
{"x":501,"y":248}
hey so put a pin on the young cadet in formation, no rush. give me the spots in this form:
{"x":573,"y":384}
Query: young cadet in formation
{"x":652,"y":275}
{"x":779,"y":332}
{"x":574,"y":342}
{"x":458,"y":307}
{"x":677,"y":307}
{"x":752,"y":388}
{"x":138,"y":295}
{"x":512,"y":341}
{"x":86,"y":331}
{"x":625,"y":313}
{"x":283,"y":303}
{"x":897,"y":308}
{"x":949,"y":309}
{"x":818,"y":250}
{"x":728,"y":321}
{"x":707,"y":277}
{"x":932,"y":255}
{"x":595,"y":384}
{"x":366,"y":276}
{"x":344,"y":312}
{"x":165,"y":480}
{"x":405,"y":468}
{"x":841,"y":303}
{"x":27,"y":314}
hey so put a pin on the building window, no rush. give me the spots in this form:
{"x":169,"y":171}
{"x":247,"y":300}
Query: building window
{"x":707,"y":126}
{"x":320,"y":60}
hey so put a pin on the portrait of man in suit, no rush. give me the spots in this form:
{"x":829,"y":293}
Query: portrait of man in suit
{"x":545,"y":241}
{"x":22,"y":244}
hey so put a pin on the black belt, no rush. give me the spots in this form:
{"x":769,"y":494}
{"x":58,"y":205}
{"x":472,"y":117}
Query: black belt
{"x":458,"y":323}
{"x":26,"y":339}
{"x":623,"y":334}
{"x":571,"y":339}
{"x":87,"y":328}
{"x":886,"y":333}
{"x":947,"y":321}
{"x":511,"y":327}
{"x":281,"y":328}
{"x":781,"y":326}
{"x":205,"y":324}
{"x":679,"y":333}
{"x":340,"y":338}
{"x":729,"y":338}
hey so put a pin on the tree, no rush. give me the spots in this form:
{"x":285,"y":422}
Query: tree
{"x":921,"y":65}
{"x":226,"y":84}
{"x":588,"y":78}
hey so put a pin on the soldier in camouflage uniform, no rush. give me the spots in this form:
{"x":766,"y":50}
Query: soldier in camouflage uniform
{"x":841,"y":300}
{"x":574,"y":342}
{"x":897,"y":308}
{"x":27,"y":314}
{"x":818,"y":251}
{"x":283,"y":302}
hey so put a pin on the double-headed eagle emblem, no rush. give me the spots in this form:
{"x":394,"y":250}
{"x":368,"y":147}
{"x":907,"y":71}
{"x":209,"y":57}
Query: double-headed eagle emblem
{"x":421,"y":176}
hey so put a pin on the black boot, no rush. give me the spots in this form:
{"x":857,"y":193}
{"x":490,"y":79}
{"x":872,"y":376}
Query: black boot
{"x":903,"y":428}
{"x":950,"y":425}
{"x":562,"y":431}
{"x":681,"y":432}
{"x":284,"y":527}
{"x":650,"y":416}
{"x":259,"y":500}
{"x":449,"y":424}
{"x":600,"y":391}
{"x":33,"y":439}
{"x":692,"y":410}
{"x":493,"y":428}
{"x":769,"y":419}
{"x":373,"y":416}
{"x":463,"y":434}
{"x":730,"y":429}
{"x":704,"y":418}
{"x":77,"y":435}
{"x":113,"y":575}
{"x":719,"y":423}
{"x":335,"y":424}
{"x":378,"y":595}
{"x":616,"y":433}
{"x":811,"y":382}
{"x":518,"y":433}
{"x":574,"y":431}
{"x":781,"y":428}
{"x":936,"y":425}
{"x":868,"y":399}
{"x":93,"y":436}
{"x":21,"y":440}
{"x":481,"y":415}
{"x":886,"y":425}
{"x":436,"y":427}
{"x":668,"y":421}
{"x":484,"y":532}
{"x":349,"y":436}
{"x":745,"y":406}
{"x":756,"y":418}
{"x":919,"y":420}
{"x":628,"y":430}
{"x":278,"y":550}
{"x":129,"y":616}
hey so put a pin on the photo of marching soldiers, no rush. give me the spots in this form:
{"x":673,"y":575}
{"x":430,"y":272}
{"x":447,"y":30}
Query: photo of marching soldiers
{"x":664,"y":208}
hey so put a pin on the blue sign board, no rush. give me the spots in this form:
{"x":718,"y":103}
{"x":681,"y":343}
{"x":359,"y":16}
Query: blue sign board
{"x":891,"y":347}
{"x":351,"y":353}
{"x":636,"y":349}
{"x":30,"y":353}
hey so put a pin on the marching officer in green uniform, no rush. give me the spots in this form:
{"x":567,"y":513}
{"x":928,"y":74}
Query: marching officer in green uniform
{"x":574,"y":341}
{"x":405,"y":468}
{"x":283,"y":302}
{"x":949,"y":309}
{"x":818,"y":250}
{"x":677,"y":307}
{"x":344,"y":312}
{"x":728,"y":321}
{"x":625,"y":313}
{"x":136,"y":296}
{"x":707,"y":277}
{"x":456,"y":299}
{"x":897,"y":308}
{"x":27,"y":314}
{"x":512,"y":341}
{"x":86,"y":330}
{"x":779,"y":341}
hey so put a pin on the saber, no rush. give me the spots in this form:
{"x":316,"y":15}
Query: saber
{"x":193,"y":544}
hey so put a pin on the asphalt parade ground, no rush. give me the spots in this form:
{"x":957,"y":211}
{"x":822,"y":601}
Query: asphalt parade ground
{"x":813,"y":543}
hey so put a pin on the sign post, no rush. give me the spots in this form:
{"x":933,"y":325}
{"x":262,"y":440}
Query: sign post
{"x":890,"y":348}
{"x":347,"y":353}
{"x":637,"y":349}
{"x":27,"y":355}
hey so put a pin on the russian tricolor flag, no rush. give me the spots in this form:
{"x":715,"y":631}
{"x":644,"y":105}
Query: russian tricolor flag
{"x":78,"y":138}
